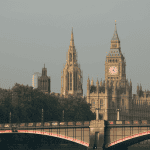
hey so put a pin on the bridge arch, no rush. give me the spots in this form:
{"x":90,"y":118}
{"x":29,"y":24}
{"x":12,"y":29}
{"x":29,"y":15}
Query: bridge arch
{"x":130,"y":140}
{"x":48,"y":134}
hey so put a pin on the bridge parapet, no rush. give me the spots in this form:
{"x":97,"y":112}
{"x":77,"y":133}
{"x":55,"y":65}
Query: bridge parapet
{"x":128,"y":122}
{"x":49,"y":124}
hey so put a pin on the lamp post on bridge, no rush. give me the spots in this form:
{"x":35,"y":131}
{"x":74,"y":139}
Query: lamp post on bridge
{"x":10,"y":118}
{"x":63,"y":115}
{"x":117,"y":114}
{"x":42,"y":120}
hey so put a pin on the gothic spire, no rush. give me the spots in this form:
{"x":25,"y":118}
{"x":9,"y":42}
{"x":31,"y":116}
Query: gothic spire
{"x":101,"y":82}
{"x":92,"y":82}
{"x":72,"y":38}
{"x":115,"y":35}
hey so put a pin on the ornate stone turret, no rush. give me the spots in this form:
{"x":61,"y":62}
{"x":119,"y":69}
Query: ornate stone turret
{"x":88,"y":84}
{"x":145,"y":94}
{"x":97,"y":85}
{"x":137,"y":89}
{"x":130,"y":83}
{"x":127,"y":88}
{"x":140,"y":92}
{"x":140,"y":87}
{"x":101,"y":83}
{"x":104,"y":83}
{"x":92,"y":82}
{"x":106,"y":86}
{"x":88,"y":89}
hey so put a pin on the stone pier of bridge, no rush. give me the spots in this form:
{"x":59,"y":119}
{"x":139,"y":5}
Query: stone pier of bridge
{"x":97,"y":132}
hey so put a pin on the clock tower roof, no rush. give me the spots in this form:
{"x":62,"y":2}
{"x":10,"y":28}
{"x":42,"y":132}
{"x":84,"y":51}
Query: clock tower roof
{"x":115,"y":35}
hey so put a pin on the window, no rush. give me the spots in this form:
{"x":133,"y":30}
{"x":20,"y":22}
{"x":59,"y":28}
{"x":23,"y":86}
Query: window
{"x":93,"y":103}
{"x":75,"y":80}
{"x":101,"y":103}
{"x":67,"y":77}
{"x":70,"y":81}
{"x":122,"y":101}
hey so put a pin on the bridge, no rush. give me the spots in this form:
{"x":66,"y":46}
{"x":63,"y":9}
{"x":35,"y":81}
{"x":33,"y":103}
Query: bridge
{"x":99,"y":134}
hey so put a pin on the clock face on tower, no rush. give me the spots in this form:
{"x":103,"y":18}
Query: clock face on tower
{"x":113,"y":70}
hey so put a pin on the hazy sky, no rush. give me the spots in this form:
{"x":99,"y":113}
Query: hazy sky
{"x":34,"y":32}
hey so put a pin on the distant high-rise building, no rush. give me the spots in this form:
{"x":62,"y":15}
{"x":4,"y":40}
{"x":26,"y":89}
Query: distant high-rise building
{"x":71,"y":78}
{"x":44,"y":81}
{"x":35,"y":79}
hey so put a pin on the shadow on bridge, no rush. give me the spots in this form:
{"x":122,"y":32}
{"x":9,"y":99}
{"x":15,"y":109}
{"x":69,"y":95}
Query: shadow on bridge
{"x":36,"y":141}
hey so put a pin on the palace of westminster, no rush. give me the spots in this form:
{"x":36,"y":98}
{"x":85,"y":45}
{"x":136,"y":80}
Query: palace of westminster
{"x":115,"y":92}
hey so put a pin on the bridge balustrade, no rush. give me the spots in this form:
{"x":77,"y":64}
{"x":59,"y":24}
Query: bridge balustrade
{"x":45,"y":124}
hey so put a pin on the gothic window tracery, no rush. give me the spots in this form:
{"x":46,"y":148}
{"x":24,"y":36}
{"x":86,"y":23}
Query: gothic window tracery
{"x":70,"y":81}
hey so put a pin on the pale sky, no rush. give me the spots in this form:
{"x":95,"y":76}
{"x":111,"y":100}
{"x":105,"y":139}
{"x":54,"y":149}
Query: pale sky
{"x":34,"y":32}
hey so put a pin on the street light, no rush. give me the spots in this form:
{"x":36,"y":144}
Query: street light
{"x":42,"y":120}
{"x":63,"y":115}
{"x":10,"y":118}
{"x":117,"y":114}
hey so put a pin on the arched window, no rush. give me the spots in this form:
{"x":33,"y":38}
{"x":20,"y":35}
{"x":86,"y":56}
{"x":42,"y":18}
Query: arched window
{"x":116,"y":60}
{"x":110,"y":60}
{"x":70,"y":81}
{"x":67,"y":78}
{"x":101,"y":103}
{"x":93,"y":103}
{"x":122,"y":101}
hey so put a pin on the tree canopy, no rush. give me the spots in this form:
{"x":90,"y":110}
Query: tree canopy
{"x":26,"y":104}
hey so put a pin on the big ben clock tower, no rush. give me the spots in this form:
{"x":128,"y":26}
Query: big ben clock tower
{"x":115,"y":62}
{"x":116,"y":91}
